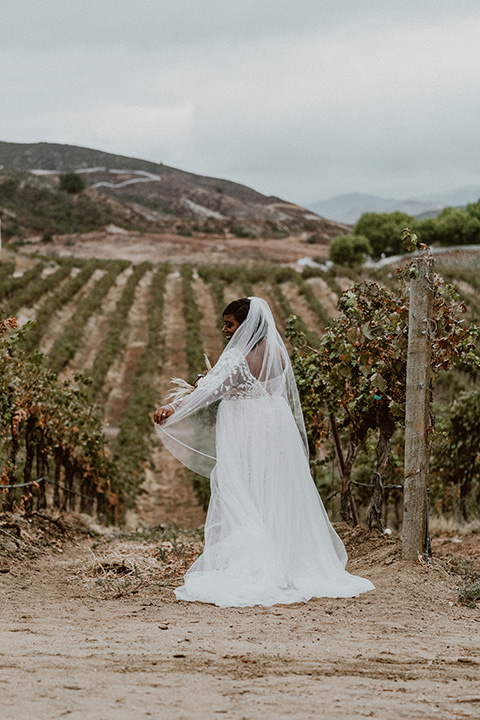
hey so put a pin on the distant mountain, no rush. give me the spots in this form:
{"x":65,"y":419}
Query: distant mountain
{"x":165,"y":197}
{"x":348,"y":208}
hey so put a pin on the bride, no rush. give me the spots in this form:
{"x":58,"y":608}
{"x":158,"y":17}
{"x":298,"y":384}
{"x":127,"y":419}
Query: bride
{"x":268,"y":539}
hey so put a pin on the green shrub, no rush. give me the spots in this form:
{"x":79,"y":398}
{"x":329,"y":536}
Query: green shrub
{"x":350,"y":250}
{"x":384,"y":231}
{"x":72,"y":183}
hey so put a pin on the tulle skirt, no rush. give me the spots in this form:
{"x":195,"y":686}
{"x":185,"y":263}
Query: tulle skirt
{"x":268,"y":539}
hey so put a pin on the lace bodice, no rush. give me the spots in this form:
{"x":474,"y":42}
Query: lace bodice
{"x":239,"y":384}
{"x":244,"y":385}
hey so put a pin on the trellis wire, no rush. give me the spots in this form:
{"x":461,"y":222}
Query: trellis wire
{"x":51,"y":482}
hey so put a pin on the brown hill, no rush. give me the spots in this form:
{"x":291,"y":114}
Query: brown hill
{"x":163,"y":198}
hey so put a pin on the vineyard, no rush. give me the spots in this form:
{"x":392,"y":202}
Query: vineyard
{"x":114,"y":333}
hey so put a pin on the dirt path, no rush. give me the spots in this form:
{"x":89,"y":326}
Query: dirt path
{"x":25,"y":314}
{"x":344,"y":282}
{"x":405,"y":651}
{"x":167,"y":493}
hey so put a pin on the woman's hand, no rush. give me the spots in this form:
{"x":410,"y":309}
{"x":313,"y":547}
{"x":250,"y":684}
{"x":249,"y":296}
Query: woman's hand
{"x":200,"y":376}
{"x":162,"y":413}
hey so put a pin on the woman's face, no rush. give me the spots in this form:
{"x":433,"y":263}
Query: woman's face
{"x":230,"y":325}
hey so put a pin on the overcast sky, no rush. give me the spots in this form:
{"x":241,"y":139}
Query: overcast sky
{"x":304,"y":99}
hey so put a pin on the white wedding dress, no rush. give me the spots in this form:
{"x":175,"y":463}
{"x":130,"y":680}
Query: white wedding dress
{"x":268,"y":538}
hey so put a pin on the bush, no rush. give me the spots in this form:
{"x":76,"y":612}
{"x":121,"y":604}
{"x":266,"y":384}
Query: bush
{"x":12,"y":229}
{"x":72,"y":183}
{"x":349,"y":250}
{"x":239,"y":231}
{"x":384,"y":231}
{"x":457,"y":227}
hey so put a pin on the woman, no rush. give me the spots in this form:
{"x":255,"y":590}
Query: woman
{"x":268,"y":539}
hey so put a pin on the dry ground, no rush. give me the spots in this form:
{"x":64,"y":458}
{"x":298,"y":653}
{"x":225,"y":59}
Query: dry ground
{"x":200,"y":248}
{"x":90,"y":629}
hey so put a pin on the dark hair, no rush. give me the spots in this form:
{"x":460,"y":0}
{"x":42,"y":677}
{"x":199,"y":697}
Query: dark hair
{"x":238,"y":308}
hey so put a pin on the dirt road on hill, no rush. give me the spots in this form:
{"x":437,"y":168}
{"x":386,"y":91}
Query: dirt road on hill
{"x":72,"y":646}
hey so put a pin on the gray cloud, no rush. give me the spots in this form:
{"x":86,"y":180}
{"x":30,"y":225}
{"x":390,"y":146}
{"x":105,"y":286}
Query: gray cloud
{"x":302,"y":100}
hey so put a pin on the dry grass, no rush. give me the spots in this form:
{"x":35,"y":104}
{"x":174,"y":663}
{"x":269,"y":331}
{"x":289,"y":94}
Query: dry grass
{"x":120,"y":565}
{"x":441,"y":525}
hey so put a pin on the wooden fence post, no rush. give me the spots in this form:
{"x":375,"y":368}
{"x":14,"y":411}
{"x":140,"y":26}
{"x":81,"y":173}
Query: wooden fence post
{"x":417,"y":411}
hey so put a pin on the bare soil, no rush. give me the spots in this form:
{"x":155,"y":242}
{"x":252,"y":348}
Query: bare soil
{"x":200,"y":248}
{"x":85,"y":636}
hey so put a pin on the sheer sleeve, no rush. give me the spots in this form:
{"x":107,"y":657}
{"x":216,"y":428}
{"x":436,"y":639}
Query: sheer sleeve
{"x":189,"y":434}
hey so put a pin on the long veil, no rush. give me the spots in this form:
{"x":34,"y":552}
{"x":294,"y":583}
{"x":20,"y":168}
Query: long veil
{"x":256,"y":352}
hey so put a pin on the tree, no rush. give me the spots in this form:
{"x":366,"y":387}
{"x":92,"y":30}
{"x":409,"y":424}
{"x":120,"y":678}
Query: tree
{"x":384,"y":231}
{"x":427,"y":230}
{"x":457,"y":227}
{"x":473,"y":209}
{"x":72,"y":183}
{"x":453,"y":226}
{"x":349,"y":250}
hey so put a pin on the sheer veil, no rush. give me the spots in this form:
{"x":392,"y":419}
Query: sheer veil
{"x":255,"y":355}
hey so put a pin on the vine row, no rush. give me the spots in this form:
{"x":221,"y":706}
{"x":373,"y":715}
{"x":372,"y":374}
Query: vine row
{"x":192,"y":315}
{"x":112,"y":343}
{"x":11,"y":284}
{"x":31,"y":340}
{"x":32,"y":291}
{"x":68,"y":343}
{"x":133,"y":442}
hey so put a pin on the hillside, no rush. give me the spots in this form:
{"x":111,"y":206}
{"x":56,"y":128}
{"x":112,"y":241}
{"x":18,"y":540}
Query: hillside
{"x":164,"y":198}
